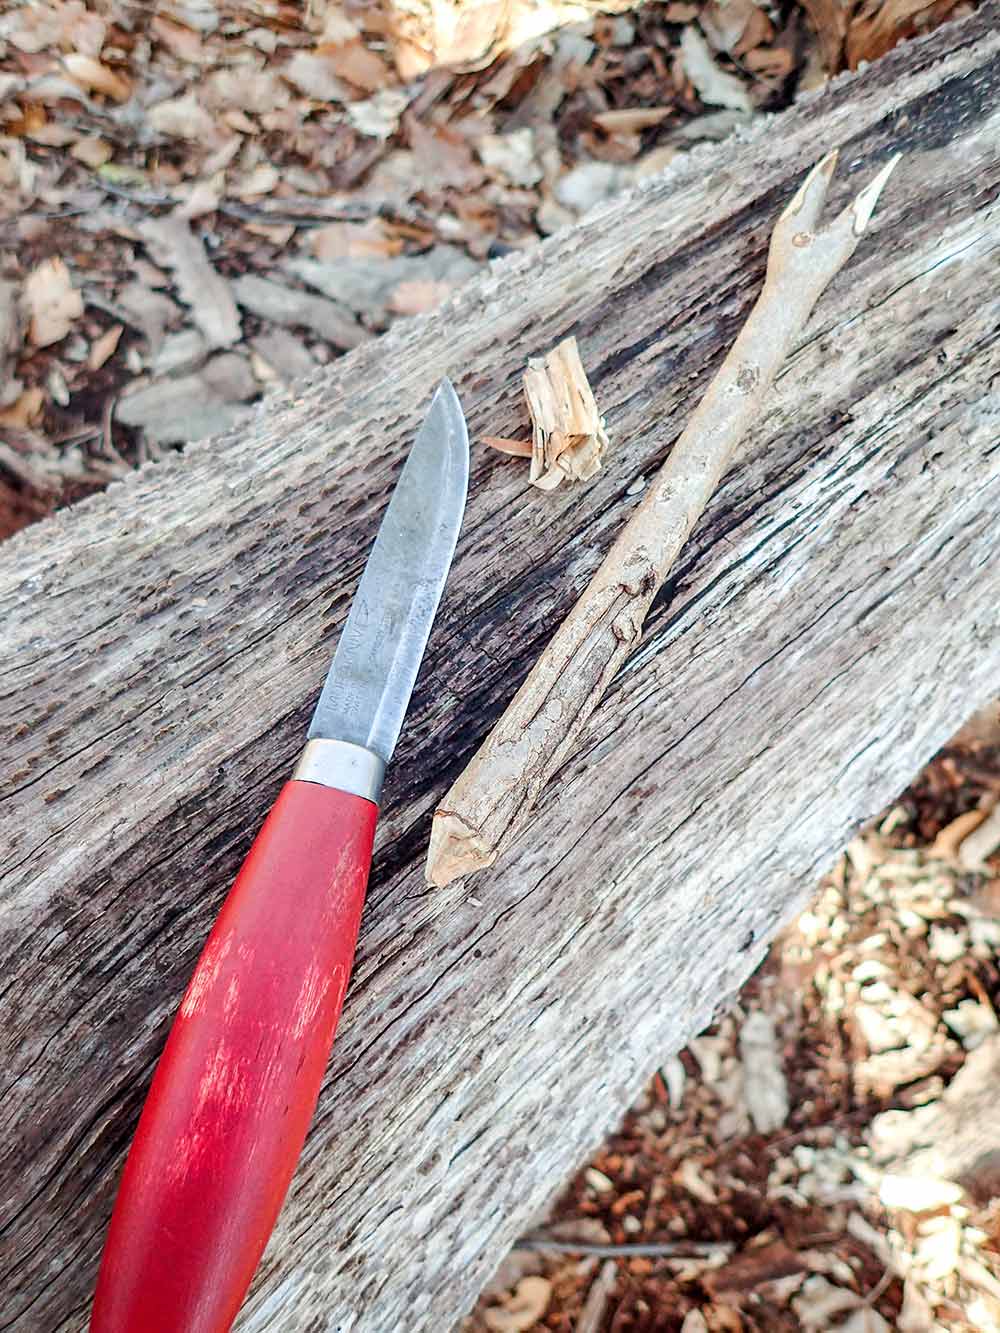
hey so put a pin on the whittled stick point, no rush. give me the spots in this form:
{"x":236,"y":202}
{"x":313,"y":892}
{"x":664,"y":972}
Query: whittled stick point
{"x":494,"y":795}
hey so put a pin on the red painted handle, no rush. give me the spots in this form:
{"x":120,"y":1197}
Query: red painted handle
{"x":237,"y":1083}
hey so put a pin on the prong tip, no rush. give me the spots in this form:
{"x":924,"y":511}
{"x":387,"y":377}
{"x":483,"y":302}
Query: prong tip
{"x":828,"y":165}
{"x":864,"y":204}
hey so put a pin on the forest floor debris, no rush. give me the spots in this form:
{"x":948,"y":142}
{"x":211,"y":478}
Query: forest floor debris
{"x":158,"y":163}
{"x":827,"y":1155}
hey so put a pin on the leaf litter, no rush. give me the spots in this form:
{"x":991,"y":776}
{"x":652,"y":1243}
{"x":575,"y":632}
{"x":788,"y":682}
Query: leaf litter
{"x":834,"y":1134}
{"x":220,"y":143}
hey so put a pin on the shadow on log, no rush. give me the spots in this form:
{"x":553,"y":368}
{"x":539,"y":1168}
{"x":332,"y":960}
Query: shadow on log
{"x":831,"y":622}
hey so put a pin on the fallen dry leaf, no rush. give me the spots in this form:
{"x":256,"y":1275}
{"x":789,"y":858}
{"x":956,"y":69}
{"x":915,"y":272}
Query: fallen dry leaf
{"x":180,"y":40}
{"x":694,"y":1322}
{"x":338,"y":29}
{"x":418,"y":296}
{"x":355,"y":240}
{"x":32,"y":28}
{"x":636,"y":118}
{"x":262,"y":180}
{"x":24,"y":411}
{"x":378,"y":117}
{"x":917,"y":1314}
{"x":411,"y":59}
{"x":200,"y":198}
{"x":183,"y":117}
{"x":522,"y":1308}
{"x":945,"y":846}
{"x":880,"y":24}
{"x":734,"y":26}
{"x":864,"y":1320}
{"x":83,"y":30}
{"x":829,"y":18}
{"x":981,"y":842}
{"x":358,"y":65}
{"x":770,"y":62}
{"x":103,"y":347}
{"x":53,"y":302}
{"x":92,"y":153}
{"x":253,"y":90}
{"x":713,"y":85}
{"x":95,"y":77}
{"x":467,"y":34}
{"x":513,"y":154}
{"x":316,"y":77}
{"x":442,"y":157}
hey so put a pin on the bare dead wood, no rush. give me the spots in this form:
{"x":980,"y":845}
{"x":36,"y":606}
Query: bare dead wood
{"x":832,"y":620}
{"x":201,"y":287}
{"x":495,"y":795}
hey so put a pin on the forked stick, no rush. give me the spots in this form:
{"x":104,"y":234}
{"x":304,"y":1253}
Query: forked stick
{"x":495,"y":793}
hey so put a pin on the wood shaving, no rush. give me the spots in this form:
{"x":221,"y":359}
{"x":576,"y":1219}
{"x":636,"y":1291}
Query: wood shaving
{"x":516,"y":448}
{"x":568,"y":439}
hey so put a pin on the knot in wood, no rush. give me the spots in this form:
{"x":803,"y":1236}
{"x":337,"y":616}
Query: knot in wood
{"x":627,"y":624}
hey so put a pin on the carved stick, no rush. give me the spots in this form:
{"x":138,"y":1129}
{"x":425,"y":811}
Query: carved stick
{"x":495,"y":793}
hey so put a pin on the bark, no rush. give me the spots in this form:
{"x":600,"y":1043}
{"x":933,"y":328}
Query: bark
{"x":830,"y":623}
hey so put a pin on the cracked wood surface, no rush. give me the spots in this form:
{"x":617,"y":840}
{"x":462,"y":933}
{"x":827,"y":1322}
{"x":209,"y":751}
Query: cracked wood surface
{"x":832,"y":620}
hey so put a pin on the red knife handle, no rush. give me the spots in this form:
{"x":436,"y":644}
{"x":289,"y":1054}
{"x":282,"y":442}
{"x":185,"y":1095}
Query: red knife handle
{"x":236,"y":1086}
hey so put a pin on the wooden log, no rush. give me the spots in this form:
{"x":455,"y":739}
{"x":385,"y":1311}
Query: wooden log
{"x":832,"y":621}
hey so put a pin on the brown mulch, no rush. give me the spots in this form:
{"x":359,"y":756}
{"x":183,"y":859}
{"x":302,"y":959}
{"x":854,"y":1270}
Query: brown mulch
{"x":769,"y":1161}
{"x":337,"y":166}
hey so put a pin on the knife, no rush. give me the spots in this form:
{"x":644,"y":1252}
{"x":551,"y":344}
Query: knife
{"x":236,"y":1086}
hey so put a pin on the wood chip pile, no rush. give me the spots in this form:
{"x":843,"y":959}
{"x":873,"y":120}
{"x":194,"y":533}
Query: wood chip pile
{"x":824,"y":1157}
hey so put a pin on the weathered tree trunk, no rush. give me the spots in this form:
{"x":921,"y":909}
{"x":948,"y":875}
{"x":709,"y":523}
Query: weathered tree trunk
{"x":832,"y":621}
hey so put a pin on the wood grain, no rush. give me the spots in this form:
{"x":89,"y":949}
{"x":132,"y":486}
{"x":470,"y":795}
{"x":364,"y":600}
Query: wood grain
{"x":833,"y":619}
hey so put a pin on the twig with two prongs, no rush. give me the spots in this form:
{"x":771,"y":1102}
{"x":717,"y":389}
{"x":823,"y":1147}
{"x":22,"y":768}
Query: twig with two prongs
{"x":493,"y":797}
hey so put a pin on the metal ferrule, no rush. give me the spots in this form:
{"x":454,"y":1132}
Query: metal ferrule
{"x":351,"y":768}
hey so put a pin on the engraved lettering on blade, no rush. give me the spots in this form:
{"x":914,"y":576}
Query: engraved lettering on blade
{"x":374,"y":668}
